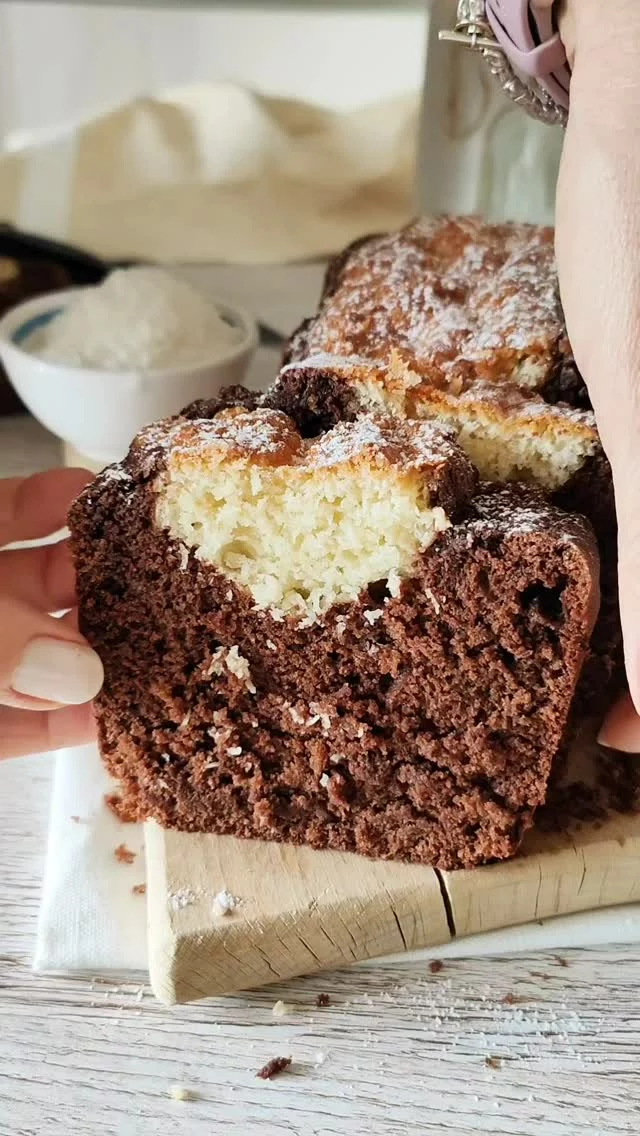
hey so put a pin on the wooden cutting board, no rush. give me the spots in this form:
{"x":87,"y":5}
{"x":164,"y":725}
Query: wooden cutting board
{"x":302,"y":911}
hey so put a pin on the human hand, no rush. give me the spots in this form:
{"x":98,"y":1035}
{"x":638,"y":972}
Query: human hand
{"x":598,"y":238}
{"x":48,"y":673}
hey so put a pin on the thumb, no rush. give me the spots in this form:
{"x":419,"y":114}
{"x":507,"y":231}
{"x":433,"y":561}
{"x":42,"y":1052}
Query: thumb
{"x":44,"y":662}
{"x":621,"y":730}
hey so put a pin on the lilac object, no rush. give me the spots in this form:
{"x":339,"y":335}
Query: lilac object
{"x":525,"y":31}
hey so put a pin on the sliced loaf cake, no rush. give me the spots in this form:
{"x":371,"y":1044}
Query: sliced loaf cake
{"x":336,"y":641}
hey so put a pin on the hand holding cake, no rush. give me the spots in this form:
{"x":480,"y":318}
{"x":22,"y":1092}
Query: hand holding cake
{"x":598,"y":229}
{"x":48,"y":673}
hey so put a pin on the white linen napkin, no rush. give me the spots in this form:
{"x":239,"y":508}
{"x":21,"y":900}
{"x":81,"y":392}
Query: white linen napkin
{"x":91,"y":919}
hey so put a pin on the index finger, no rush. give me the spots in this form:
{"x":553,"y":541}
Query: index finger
{"x":35,"y":507}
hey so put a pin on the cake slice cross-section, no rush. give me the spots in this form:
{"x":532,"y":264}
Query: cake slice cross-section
{"x":339,"y":641}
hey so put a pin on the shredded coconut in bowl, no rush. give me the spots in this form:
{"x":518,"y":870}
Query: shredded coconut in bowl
{"x":138,"y":319}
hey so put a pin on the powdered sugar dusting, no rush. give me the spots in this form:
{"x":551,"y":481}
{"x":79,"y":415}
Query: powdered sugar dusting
{"x":267,"y":437}
{"x":515,"y":510}
{"x":384,"y":440}
{"x":115,"y":472}
{"x":454,"y":297}
{"x":511,"y":400}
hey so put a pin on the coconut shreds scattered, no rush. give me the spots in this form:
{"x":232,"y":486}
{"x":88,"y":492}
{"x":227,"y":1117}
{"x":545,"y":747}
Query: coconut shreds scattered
{"x":225,"y":903}
{"x":182,"y":1093}
{"x":282,"y":1009}
{"x":183,"y":897}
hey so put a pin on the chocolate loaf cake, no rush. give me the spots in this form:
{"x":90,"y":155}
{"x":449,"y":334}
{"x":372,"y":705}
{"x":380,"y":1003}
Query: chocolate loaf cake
{"x":460,"y":321}
{"x":338,"y":641}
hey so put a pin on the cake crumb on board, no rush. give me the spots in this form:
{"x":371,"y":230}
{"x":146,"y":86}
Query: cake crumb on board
{"x":515,"y":1000}
{"x":124,"y":855}
{"x":493,"y":1062}
{"x":435,"y":966}
{"x":273,"y":1068}
{"x":323,"y":1000}
{"x":139,"y":889}
{"x":120,"y":810}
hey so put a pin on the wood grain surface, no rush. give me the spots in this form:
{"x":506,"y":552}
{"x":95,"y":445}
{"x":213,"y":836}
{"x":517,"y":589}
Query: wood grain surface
{"x":302,"y":911}
{"x":530,"y":1046}
{"x":298,"y":912}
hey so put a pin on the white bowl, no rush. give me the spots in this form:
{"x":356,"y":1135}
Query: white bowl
{"x":100,"y":412}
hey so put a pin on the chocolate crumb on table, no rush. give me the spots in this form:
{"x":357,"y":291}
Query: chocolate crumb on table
{"x":515,"y":1000}
{"x":493,"y":1062}
{"x":436,"y":966}
{"x":323,"y":1000}
{"x":139,"y":889}
{"x":124,"y":855}
{"x":118,"y":807}
{"x":273,"y":1068}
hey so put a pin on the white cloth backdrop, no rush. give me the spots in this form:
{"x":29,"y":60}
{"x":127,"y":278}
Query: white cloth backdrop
{"x":62,"y":62}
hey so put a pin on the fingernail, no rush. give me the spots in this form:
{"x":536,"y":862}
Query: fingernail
{"x":625,"y":739}
{"x":56,"y":670}
{"x":604,"y":739}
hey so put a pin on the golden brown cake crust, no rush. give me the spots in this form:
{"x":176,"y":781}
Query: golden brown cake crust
{"x":457,"y":298}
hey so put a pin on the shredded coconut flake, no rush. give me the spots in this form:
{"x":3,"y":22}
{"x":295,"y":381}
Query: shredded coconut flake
{"x":138,"y":319}
{"x":225,"y":903}
{"x":183,"y":897}
{"x":182,"y":1093}
{"x":282,"y":1009}
{"x":373,"y":616}
{"x":434,"y":600}
{"x":235,"y":663}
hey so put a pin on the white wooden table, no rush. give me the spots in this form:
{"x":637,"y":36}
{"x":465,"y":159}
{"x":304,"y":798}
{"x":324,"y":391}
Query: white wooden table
{"x":533,"y":1046}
